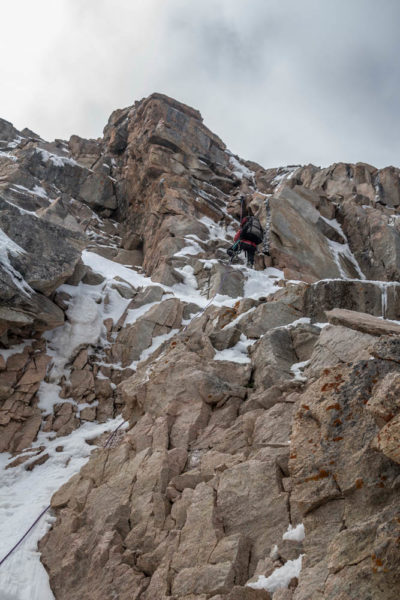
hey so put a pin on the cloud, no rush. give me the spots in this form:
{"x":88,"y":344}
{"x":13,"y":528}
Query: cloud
{"x":280,"y":81}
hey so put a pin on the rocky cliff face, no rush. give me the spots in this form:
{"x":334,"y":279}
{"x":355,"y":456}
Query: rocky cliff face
{"x":260,"y":455}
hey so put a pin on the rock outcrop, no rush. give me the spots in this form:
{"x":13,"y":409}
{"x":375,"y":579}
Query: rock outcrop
{"x":260,"y":456}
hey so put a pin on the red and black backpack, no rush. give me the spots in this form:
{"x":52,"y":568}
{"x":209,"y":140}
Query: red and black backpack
{"x":252,"y":230}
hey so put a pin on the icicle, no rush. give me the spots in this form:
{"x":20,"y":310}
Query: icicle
{"x":384,"y":289}
{"x":266,"y":239}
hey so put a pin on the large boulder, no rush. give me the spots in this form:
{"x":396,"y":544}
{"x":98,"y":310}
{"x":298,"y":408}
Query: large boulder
{"x":37,"y":257}
{"x":300,"y":244}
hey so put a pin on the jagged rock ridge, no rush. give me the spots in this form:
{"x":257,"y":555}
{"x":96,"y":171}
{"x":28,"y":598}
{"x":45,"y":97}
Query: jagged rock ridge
{"x":275,"y":406}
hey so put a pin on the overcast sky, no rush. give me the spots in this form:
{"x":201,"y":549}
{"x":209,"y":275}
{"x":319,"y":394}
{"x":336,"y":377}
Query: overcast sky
{"x":280,"y":81}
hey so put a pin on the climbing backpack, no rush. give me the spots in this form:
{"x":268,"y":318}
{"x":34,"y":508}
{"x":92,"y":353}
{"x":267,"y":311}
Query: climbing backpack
{"x":252,"y":230}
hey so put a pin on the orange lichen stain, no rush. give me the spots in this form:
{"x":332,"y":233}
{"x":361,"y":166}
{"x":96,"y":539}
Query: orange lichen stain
{"x":377,"y":560}
{"x":332,"y":462}
{"x":337,"y":422}
{"x":335,"y":406}
{"x":326,"y":371}
{"x":365,"y":401}
{"x":384,"y":477}
{"x":293,"y":456}
{"x":305,"y":406}
{"x":173,"y":344}
{"x":310,"y":441}
{"x":230,"y":313}
{"x":359,"y":484}
{"x":334,"y":385}
{"x":209,"y":396}
{"x":321,"y":475}
{"x":337,"y":439}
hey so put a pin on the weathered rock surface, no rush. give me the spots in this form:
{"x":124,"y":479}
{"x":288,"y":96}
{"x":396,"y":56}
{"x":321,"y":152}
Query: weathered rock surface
{"x":362,"y":322}
{"x":299,"y":237}
{"x":344,"y":488}
{"x":299,"y":421}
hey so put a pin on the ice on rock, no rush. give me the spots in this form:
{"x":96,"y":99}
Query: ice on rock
{"x":7,"y":247}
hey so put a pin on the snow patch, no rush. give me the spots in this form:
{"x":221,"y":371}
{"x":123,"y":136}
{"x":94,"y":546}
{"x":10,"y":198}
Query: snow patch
{"x":156,"y":343}
{"x":8,"y":155}
{"x":216,"y":231}
{"x":110,"y":269}
{"x":239,"y":170}
{"x":55,"y":159}
{"x":192,"y":250}
{"x":237,"y":353}
{"x":296,"y":534}
{"x":7,"y":352}
{"x":261,"y":283}
{"x":25,"y":494}
{"x":49,"y":396}
{"x":280,"y":578}
{"x":297,"y":370}
{"x":36,"y":191}
{"x":84,"y":326}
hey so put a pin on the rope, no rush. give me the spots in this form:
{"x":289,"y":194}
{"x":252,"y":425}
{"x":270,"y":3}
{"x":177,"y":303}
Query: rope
{"x":25,"y":534}
{"x":44,"y":511}
{"x":112,"y":435}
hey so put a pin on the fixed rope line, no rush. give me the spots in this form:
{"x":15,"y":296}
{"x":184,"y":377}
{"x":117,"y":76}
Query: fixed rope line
{"x":44,"y":511}
{"x":112,"y":435}
{"x":24,"y":536}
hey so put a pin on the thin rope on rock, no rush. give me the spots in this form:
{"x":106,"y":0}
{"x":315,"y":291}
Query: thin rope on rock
{"x":44,"y":511}
{"x":113,"y":434}
{"x":25,"y":534}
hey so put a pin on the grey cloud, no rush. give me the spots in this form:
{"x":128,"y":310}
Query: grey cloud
{"x":280,"y":82}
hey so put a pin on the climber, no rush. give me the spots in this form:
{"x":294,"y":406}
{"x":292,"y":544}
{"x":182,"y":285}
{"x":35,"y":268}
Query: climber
{"x":247,"y":238}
